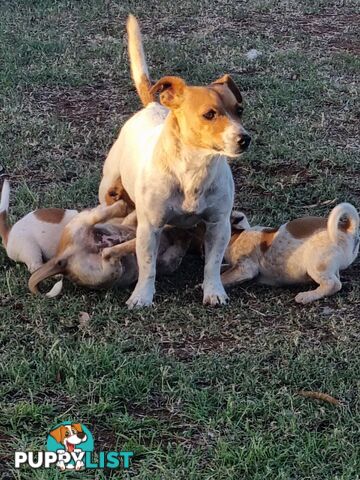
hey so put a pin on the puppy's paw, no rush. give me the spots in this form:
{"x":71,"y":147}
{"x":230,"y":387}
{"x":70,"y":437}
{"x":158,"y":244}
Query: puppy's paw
{"x":305,"y":297}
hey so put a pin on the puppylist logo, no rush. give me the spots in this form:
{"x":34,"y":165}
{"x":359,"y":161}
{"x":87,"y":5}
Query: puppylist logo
{"x":70,"y":446}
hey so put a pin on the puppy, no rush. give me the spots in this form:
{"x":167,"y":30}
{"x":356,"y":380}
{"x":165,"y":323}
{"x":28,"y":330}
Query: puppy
{"x":69,"y":436}
{"x":79,"y":255}
{"x":302,"y":250}
{"x":97,"y":250}
{"x":35,"y":238}
{"x":172,"y":159}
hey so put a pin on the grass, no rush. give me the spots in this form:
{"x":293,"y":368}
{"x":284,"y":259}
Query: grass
{"x":197,"y":393}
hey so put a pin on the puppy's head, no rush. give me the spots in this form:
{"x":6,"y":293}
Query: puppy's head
{"x":238,"y":221}
{"x":69,"y":435}
{"x":208,"y":117}
{"x":117,"y":192}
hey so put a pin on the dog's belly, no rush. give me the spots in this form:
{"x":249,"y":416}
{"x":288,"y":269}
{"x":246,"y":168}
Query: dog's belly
{"x":283,"y":263}
{"x":184,"y":220}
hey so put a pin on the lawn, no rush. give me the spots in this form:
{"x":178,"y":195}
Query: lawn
{"x":195,"y":392}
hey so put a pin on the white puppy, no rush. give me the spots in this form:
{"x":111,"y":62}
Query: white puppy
{"x":172,"y":162}
{"x":302,"y":250}
{"x":34,"y":238}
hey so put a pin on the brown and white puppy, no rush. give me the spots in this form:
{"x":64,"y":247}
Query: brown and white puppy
{"x":70,"y":436}
{"x":172,"y":159}
{"x":34,"y":238}
{"x":79,"y":254}
{"x":302,"y":250}
{"x":97,"y":250}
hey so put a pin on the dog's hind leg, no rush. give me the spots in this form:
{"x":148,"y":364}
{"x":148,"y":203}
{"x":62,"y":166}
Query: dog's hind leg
{"x":30,"y":254}
{"x":329,"y":284}
{"x":246,"y":270}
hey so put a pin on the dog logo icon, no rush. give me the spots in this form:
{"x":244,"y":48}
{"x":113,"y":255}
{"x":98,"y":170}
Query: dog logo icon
{"x":70,"y":441}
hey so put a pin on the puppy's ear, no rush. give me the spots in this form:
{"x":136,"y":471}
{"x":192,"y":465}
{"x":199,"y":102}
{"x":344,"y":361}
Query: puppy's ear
{"x":239,"y":221}
{"x":171,"y":91}
{"x":58,"y":434}
{"x":77,"y":427}
{"x":229,"y":82}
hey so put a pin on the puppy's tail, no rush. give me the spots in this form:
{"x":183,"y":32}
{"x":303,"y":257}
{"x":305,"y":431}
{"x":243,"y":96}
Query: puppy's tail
{"x":139,"y":69}
{"x":4,"y":208}
{"x":344,"y":217}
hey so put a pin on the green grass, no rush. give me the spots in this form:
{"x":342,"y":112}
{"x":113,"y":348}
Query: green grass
{"x":197,"y":393}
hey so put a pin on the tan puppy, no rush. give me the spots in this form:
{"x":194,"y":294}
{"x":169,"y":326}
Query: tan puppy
{"x":302,"y":250}
{"x":172,"y":159}
{"x":35,"y":238}
{"x":79,"y":255}
{"x":97,"y":250}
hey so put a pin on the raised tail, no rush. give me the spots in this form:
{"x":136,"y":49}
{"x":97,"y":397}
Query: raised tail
{"x":139,"y":69}
{"x":4,"y":208}
{"x":350,"y":224}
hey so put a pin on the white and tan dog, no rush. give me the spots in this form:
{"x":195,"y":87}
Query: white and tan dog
{"x":34,"y":238}
{"x":302,"y":250}
{"x":172,"y":160}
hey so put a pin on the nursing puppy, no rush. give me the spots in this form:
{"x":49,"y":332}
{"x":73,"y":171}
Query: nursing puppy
{"x":302,"y":250}
{"x":172,"y":159}
{"x":33,"y":239}
{"x":97,"y":250}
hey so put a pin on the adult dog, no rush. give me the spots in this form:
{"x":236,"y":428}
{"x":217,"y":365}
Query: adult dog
{"x":171,"y":158}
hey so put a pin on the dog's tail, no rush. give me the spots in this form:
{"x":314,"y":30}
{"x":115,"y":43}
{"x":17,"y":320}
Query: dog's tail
{"x":344,"y":217}
{"x":4,"y":208}
{"x":139,"y":69}
{"x":49,"y":269}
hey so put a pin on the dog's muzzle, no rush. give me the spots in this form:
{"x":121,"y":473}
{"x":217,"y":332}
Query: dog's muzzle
{"x":243,"y":142}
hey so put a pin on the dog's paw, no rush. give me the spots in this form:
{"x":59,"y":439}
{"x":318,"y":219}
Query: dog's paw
{"x":139,"y":301}
{"x":305,"y":297}
{"x":215,"y":298}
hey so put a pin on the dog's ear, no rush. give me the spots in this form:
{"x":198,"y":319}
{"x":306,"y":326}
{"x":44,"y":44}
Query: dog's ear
{"x":58,"y":434}
{"x":171,"y":91}
{"x":229,"y":82}
{"x":77,"y":427}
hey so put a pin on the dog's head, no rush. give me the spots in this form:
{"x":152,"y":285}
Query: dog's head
{"x":208,"y":117}
{"x":239,"y":221}
{"x":69,"y":435}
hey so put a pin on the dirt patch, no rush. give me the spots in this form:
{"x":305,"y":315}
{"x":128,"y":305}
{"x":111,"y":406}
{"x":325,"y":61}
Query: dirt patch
{"x":81,"y":105}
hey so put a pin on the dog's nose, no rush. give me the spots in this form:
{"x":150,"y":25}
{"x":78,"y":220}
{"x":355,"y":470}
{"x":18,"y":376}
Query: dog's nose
{"x":244,"y":141}
{"x":81,"y":435}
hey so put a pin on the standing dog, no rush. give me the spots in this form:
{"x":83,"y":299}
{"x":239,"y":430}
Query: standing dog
{"x":305,"y":249}
{"x":172,"y":162}
{"x":35,"y":237}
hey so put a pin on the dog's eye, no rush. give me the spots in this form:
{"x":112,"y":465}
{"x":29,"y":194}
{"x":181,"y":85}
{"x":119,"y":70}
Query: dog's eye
{"x":210,"y":115}
{"x":74,"y":432}
{"x":239,"y":110}
{"x":67,"y":433}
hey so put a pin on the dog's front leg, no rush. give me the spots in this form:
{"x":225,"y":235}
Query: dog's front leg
{"x":147,"y":245}
{"x":217,"y":237}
